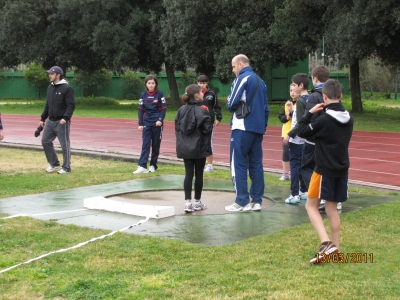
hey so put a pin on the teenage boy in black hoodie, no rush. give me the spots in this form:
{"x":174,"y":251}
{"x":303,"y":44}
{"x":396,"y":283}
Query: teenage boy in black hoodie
{"x":211,"y":101}
{"x":331,"y":132}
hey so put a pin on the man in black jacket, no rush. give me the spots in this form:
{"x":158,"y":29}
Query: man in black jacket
{"x":60,"y":105}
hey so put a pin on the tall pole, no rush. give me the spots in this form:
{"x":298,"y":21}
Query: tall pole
{"x":323,"y":50}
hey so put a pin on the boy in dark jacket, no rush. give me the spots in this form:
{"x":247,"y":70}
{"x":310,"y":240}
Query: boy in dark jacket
{"x":193,"y":127}
{"x":210,"y":99}
{"x":331,"y":132}
{"x":60,"y":105}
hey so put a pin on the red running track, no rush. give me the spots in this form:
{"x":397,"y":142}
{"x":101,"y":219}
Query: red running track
{"x":374,"y":156}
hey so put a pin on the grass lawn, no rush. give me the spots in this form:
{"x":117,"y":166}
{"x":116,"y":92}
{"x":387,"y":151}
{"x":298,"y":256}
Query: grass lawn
{"x":127,"y":266}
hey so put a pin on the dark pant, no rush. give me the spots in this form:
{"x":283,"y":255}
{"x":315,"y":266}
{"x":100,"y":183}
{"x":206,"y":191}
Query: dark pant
{"x":193,"y":167}
{"x":308,"y":163}
{"x":151,"y":137}
{"x":51,"y":130}
{"x":246,"y":154}
{"x":295,"y":153}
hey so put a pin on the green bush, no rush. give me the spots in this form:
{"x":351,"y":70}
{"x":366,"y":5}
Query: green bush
{"x":36,"y":77}
{"x":187,"y":79}
{"x":132,"y":86}
{"x":96,"y":102}
{"x":91,"y":82}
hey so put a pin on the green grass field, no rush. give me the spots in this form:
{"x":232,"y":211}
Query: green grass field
{"x":127,"y":266}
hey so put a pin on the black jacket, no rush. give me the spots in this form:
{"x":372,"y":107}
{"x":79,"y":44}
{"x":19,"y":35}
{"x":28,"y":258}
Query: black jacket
{"x":193,"y":127}
{"x":314,"y":99}
{"x":211,"y":100}
{"x":60,"y":102}
{"x":332,"y":131}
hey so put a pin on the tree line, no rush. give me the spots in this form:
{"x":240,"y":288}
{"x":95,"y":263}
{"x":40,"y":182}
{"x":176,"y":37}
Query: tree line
{"x":144,"y":35}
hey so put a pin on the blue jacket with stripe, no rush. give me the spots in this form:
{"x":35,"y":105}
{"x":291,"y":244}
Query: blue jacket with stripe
{"x":242,"y":89}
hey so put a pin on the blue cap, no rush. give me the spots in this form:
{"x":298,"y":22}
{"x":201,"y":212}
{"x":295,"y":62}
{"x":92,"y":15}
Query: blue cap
{"x":55,"y":69}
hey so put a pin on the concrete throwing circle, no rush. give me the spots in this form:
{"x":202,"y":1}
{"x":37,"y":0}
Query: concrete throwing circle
{"x":215,"y":200}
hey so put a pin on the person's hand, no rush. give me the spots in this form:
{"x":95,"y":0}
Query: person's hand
{"x":286,"y":139}
{"x":318,"y":107}
{"x":140,"y":128}
{"x":41,"y":123}
{"x":216,"y":122}
{"x":289,"y":105}
{"x":62,"y":121}
{"x":1,"y":134}
{"x":158,"y":123}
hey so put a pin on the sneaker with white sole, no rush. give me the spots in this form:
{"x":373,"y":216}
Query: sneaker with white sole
{"x":339,"y":206}
{"x":248,"y":207}
{"x":63,"y":171}
{"x":321,"y":207}
{"x":303,"y":196}
{"x":256,"y":207}
{"x":198,"y":205}
{"x":284,"y":177}
{"x":51,"y":168}
{"x":325,"y":249}
{"x":292,"y":200}
{"x":208,"y":168}
{"x":140,"y":170}
{"x":234,"y":207}
{"x":152,"y":169}
{"x":189,"y":207}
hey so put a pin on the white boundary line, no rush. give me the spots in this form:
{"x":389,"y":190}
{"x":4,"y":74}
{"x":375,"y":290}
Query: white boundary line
{"x":50,"y":213}
{"x":76,"y":246}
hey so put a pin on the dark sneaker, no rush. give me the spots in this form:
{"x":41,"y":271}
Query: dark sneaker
{"x":326,"y":248}
{"x":321,"y":207}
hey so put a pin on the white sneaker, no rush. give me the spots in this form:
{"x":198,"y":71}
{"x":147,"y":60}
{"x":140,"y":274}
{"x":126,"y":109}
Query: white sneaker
{"x":303,"y":196}
{"x":140,"y":170}
{"x":248,"y":207}
{"x":62,"y":171}
{"x":292,"y":200}
{"x":284,"y":177}
{"x":234,"y":207}
{"x":51,"y":168}
{"x":189,"y":206}
{"x":152,"y":169}
{"x":256,"y":206}
{"x":339,"y":206}
{"x":208,"y":168}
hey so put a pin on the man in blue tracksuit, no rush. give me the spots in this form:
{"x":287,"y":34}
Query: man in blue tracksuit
{"x":247,"y":135}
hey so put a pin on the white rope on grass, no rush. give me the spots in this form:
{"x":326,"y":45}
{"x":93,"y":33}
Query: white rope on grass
{"x":76,"y":246}
{"x":50,"y":213}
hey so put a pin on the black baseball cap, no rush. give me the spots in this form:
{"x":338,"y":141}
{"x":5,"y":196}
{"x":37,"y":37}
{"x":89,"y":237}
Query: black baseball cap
{"x":55,"y":69}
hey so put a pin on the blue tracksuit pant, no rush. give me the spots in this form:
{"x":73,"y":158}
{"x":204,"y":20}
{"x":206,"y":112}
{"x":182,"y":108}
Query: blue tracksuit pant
{"x":246,"y":154}
{"x":151,"y":137}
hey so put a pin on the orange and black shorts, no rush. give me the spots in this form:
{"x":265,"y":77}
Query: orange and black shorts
{"x":328,"y":188}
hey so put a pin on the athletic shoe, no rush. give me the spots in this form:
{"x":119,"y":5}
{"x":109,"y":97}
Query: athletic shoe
{"x":339,"y":206}
{"x":234,"y":207}
{"x":208,"y":168}
{"x":63,"y":171}
{"x":325,"y":248}
{"x":256,"y":207}
{"x":284,"y":177}
{"x":198,"y":205}
{"x":140,"y":170}
{"x":292,"y":200}
{"x":303,"y":196}
{"x":248,"y":207}
{"x":152,"y":169}
{"x":51,"y":168}
{"x":321,"y":207}
{"x":189,"y":207}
